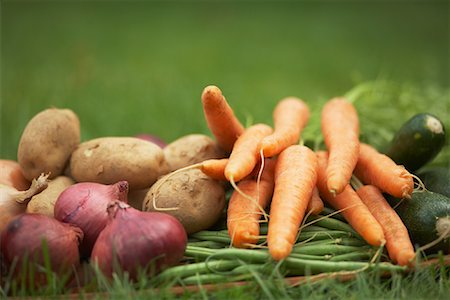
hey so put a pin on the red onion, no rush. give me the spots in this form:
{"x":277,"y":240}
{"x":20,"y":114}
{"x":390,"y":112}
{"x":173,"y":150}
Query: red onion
{"x":23,"y":237}
{"x":135,"y":239}
{"x":85,"y":205}
{"x":152,"y":138}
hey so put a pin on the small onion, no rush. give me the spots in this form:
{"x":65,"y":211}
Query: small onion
{"x":14,"y":202}
{"x":23,"y":239}
{"x":11,"y":174}
{"x":137,"y":240}
{"x":85,"y":205}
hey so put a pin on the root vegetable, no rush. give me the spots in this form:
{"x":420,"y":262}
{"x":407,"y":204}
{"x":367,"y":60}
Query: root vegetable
{"x":108,"y":160}
{"x":152,"y":138}
{"x":47,"y":142}
{"x":220,"y":118}
{"x":23,"y":241}
{"x":11,"y":175}
{"x":192,"y":197}
{"x":14,"y":202}
{"x":191,"y":149}
{"x":44,"y":202}
{"x":158,"y":241}
{"x":85,"y":205}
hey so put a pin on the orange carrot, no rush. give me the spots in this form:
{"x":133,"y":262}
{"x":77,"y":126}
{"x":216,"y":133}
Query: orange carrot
{"x":289,"y":117}
{"x":398,"y":243}
{"x":243,"y":214}
{"x":214,"y":168}
{"x":11,"y":175}
{"x":380,"y":170}
{"x":220,"y":118}
{"x":245,"y":154}
{"x":295,"y":179}
{"x":340,"y":128}
{"x":354,"y":210}
{"x":315,"y":205}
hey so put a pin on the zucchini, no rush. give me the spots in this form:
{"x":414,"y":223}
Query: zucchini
{"x":436,"y":179}
{"x":417,"y":142}
{"x":427,"y":216}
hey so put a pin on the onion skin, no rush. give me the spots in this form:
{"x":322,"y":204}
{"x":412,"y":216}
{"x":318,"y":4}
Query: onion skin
{"x":85,"y":206}
{"x":22,"y":239}
{"x":14,"y":202}
{"x":138,"y":240}
{"x":11,"y":175}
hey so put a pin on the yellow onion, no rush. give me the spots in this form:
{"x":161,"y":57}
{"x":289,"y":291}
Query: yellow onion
{"x":14,"y":202}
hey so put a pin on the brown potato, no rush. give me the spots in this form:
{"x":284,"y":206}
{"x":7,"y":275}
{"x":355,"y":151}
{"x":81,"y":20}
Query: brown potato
{"x":108,"y":160}
{"x":191,"y":149}
{"x":47,"y":142}
{"x":44,"y":202}
{"x":136,"y":198}
{"x":199,"y":200}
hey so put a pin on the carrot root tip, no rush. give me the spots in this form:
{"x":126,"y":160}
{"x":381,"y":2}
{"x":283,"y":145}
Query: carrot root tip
{"x":333,"y":192}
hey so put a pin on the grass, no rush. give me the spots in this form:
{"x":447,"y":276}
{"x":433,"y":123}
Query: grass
{"x":133,"y":67}
{"x":424,"y":282}
{"x":127,"y":68}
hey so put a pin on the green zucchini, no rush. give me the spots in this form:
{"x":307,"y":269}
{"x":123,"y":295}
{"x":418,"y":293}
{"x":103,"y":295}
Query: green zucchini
{"x":417,"y":142}
{"x":427,"y":216}
{"x":436,"y":179}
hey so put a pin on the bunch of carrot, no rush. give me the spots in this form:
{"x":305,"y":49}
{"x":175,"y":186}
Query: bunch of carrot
{"x":267,"y":167}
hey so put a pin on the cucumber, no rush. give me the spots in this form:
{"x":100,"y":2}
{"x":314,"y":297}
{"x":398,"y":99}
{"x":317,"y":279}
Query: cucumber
{"x":436,"y":179}
{"x":427,"y":216}
{"x":417,"y":142}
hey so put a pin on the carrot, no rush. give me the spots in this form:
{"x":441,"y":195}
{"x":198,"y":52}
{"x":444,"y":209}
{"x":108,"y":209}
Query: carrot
{"x":380,"y":170}
{"x":245,"y":155}
{"x":295,"y":179}
{"x":214,"y":168}
{"x":220,"y":118}
{"x":11,"y":175}
{"x":353,"y":209}
{"x":243,"y":214}
{"x":315,"y":204}
{"x":290,"y":117}
{"x":398,"y":243}
{"x":340,"y":128}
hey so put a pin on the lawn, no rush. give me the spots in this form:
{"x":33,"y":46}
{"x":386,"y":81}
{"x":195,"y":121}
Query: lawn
{"x":140,"y":67}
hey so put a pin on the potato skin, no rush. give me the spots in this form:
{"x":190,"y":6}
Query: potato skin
{"x":44,"y":202}
{"x":199,"y":198}
{"x":191,"y":149}
{"x":47,"y":142}
{"x":108,"y":160}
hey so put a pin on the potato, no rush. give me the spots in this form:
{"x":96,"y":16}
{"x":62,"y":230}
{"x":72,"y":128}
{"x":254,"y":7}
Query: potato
{"x":200,"y":199}
{"x":44,"y":202}
{"x":108,"y":160}
{"x":47,"y":142}
{"x":191,"y":149}
{"x":136,"y":198}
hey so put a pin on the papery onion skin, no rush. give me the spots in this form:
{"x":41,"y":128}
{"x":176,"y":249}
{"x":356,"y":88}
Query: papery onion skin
{"x":22,"y":240}
{"x":11,"y":175}
{"x":14,"y":202}
{"x":139,"y":240}
{"x":85,"y":205}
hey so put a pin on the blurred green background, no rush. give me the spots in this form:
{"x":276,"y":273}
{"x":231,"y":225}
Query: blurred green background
{"x":133,"y":67}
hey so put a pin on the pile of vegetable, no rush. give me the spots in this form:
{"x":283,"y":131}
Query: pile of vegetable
{"x":201,"y":209}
